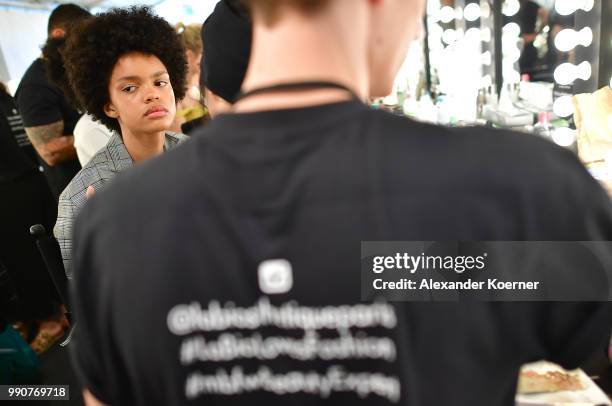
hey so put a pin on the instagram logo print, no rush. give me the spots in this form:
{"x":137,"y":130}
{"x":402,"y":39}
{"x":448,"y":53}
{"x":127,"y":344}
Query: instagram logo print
{"x":275,"y":276}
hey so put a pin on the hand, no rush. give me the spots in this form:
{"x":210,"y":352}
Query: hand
{"x":90,"y":192}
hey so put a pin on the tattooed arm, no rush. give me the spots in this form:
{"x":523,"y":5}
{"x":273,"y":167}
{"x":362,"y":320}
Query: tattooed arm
{"x":50,"y":143}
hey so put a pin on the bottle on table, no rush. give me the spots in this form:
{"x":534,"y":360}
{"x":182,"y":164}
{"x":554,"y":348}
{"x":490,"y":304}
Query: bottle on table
{"x":543,"y":127}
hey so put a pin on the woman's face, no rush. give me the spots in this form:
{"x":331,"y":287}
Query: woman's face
{"x":141,"y":96}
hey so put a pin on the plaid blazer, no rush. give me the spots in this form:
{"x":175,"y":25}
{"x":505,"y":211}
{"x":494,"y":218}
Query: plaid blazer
{"x":104,"y":165}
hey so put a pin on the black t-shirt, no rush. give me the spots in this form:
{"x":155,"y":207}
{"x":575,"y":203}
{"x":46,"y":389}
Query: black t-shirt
{"x":172,"y":263}
{"x":41,"y":103}
{"x":17,"y":156}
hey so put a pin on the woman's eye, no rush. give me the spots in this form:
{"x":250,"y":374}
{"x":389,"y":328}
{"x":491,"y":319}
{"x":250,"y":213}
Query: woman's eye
{"x":129,"y":89}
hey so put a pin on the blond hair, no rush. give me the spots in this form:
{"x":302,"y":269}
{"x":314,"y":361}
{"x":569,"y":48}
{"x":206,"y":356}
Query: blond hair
{"x":190,"y":36}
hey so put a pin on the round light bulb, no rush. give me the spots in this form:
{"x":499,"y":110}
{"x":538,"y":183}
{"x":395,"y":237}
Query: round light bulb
{"x":568,"y":39}
{"x":513,"y":77}
{"x":447,"y":14}
{"x":511,"y":30}
{"x":473,"y":34}
{"x":566,"y":73}
{"x":567,"y":7}
{"x":563,"y":106}
{"x":471,"y":12}
{"x":585,"y":36}
{"x":449,"y":36}
{"x":564,"y":136}
{"x":512,"y":55}
{"x":584,"y":71}
{"x":511,"y":7}
{"x":435,"y":31}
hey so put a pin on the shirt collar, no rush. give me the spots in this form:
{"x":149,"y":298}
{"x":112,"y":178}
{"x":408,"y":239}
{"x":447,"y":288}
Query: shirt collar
{"x":120,"y":158}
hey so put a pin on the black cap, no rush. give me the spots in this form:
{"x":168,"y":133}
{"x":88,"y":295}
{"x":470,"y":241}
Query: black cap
{"x":226,"y":35}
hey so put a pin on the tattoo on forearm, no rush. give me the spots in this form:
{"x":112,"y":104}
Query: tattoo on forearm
{"x":50,"y":143}
{"x":44,"y":133}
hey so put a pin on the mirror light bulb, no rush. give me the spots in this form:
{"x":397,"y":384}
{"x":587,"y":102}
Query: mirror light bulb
{"x":563,"y":106}
{"x":511,"y":30}
{"x":511,"y":7}
{"x":567,"y":7}
{"x":471,"y":12}
{"x":584,"y":71}
{"x":447,"y":14}
{"x":564,"y":136}
{"x":473,"y":34}
{"x":568,"y":39}
{"x":567,"y":73}
{"x":435,"y":31}
{"x":512,"y":55}
{"x":513,"y":77}
{"x":449,"y":36}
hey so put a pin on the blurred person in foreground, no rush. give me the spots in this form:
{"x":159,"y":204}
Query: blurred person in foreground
{"x":226,"y":35}
{"x":48,"y":116}
{"x":26,"y":200}
{"x":127,"y":69}
{"x":234,"y":274}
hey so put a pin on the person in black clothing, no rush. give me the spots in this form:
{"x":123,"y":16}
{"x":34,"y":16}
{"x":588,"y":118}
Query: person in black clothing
{"x":226,"y":36}
{"x":47,"y":115}
{"x":26,"y":200}
{"x":227,"y":271}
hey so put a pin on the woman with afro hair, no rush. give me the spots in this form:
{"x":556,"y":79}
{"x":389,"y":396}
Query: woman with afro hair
{"x":127,"y":69}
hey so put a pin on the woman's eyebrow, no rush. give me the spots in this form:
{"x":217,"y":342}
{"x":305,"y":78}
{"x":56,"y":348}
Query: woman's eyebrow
{"x":158,"y":74}
{"x":134,"y":77}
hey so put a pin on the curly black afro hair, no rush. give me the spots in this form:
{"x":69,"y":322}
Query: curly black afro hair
{"x":93,"y":48}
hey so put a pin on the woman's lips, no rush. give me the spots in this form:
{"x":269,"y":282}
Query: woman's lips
{"x":156,"y":112}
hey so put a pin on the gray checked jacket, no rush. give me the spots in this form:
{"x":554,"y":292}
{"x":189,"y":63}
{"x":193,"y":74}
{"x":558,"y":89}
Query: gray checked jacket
{"x":104,"y":165}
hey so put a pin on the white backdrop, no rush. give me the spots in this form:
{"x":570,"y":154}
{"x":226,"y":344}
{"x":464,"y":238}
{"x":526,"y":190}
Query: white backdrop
{"x":23,"y":31}
{"x":22,"y":34}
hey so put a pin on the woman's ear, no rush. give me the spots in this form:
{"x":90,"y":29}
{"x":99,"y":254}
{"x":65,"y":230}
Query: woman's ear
{"x":110,"y":110}
{"x":57,"y":33}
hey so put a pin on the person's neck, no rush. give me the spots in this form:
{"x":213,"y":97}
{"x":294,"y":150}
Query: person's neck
{"x":143,"y":146}
{"x":304,"y":49}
